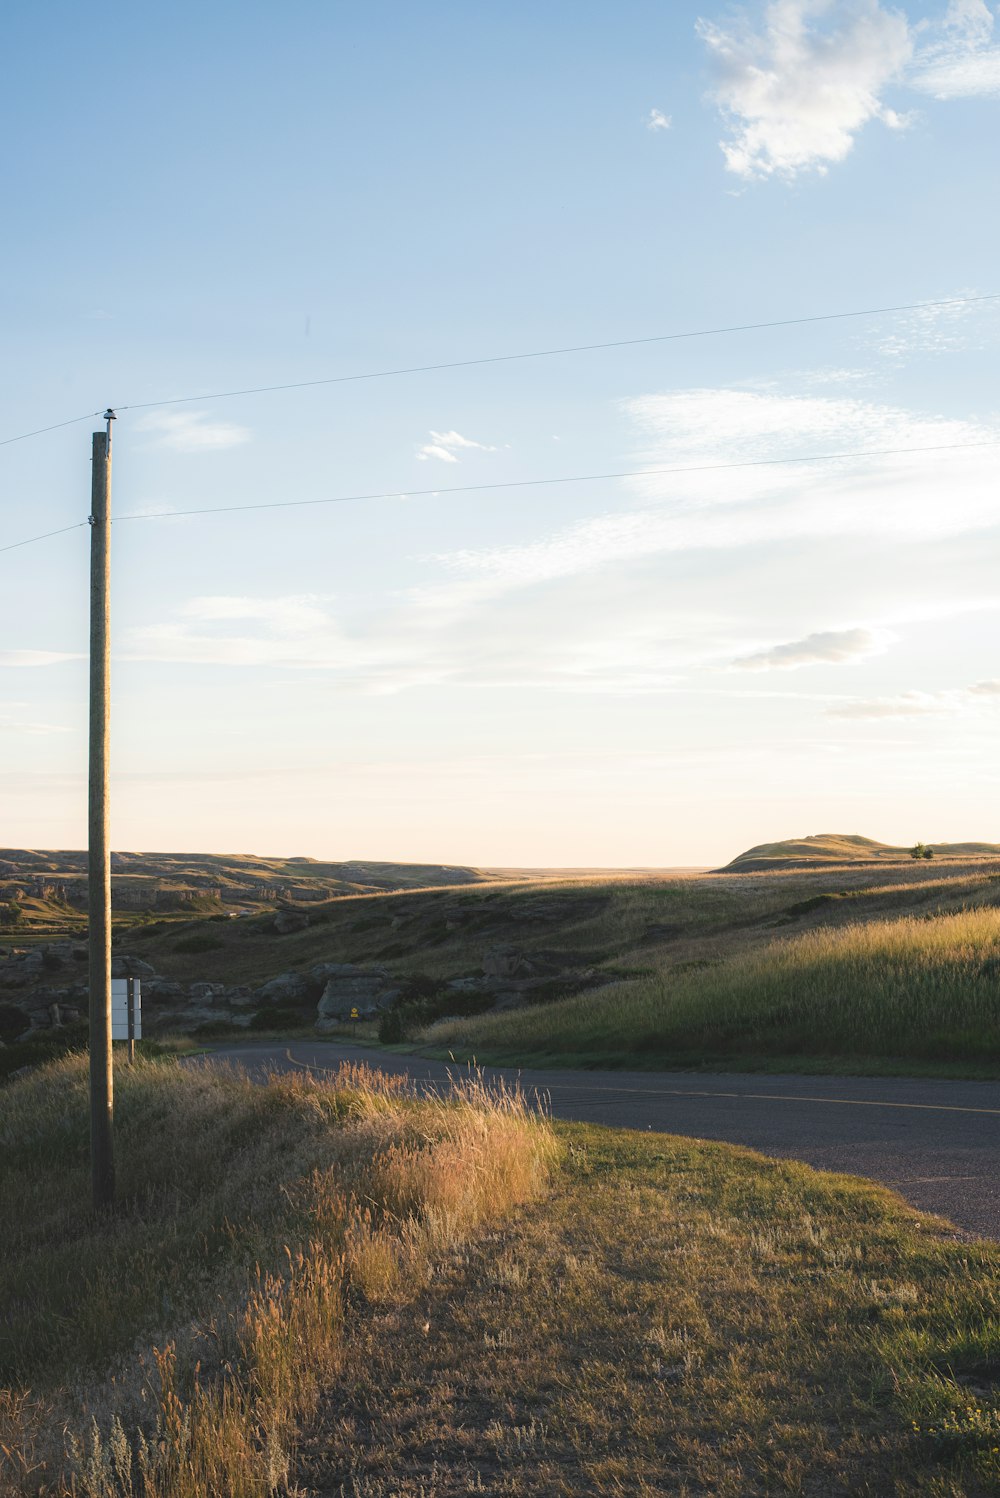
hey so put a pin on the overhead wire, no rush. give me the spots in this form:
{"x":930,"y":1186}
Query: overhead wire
{"x":13,"y":546}
{"x":38,"y":432}
{"x":546,"y":353}
{"x":550,"y":353}
{"x":503,"y":359}
{"x":574,"y":478}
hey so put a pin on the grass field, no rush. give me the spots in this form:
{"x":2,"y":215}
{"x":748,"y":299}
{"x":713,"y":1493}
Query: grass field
{"x":680,"y":1318}
{"x":171,"y":1349}
{"x":878,"y":966}
{"x":923,"y":988}
{"x":340,"y":1289}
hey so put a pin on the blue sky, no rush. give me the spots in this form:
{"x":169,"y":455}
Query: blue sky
{"x":648,"y":671}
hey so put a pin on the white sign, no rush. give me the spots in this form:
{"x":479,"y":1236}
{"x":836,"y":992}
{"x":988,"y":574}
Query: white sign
{"x":119,"y":1008}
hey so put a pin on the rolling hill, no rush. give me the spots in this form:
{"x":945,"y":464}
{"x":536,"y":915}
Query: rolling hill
{"x":840,"y":848}
{"x":49,"y":888}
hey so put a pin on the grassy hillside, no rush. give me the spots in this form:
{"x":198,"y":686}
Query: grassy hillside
{"x":220,"y":1292}
{"x":328,"y":1287}
{"x":923,"y":988}
{"x":845,"y":848}
{"x":647,"y":970}
{"x":608,"y":923}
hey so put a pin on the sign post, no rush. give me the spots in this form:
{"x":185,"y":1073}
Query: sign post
{"x":126,"y":1012}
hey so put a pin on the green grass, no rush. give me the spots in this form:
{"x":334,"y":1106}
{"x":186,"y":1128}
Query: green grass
{"x":689,"y":1318}
{"x":319,"y":1282}
{"x":715,"y":976}
{"x":925,"y":990}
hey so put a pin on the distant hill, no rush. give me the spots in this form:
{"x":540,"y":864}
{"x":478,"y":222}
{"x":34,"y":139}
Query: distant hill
{"x":50,"y":887}
{"x":842,"y":847}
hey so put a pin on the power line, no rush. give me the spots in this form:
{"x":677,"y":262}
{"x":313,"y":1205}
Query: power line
{"x":87,"y":416}
{"x":549,"y":353}
{"x":45,"y":535}
{"x":575,"y":478}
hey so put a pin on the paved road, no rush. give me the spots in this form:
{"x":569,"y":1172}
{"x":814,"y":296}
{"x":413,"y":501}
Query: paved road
{"x":936,"y":1142}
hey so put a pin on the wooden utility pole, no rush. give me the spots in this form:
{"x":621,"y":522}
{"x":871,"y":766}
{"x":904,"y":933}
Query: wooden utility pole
{"x":102,"y":1156}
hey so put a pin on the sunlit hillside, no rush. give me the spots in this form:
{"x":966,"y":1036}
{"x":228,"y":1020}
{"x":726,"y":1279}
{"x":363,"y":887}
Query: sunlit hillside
{"x":843,"y":847}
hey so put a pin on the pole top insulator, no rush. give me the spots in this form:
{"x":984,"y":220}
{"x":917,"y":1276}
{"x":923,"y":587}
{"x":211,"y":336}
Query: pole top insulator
{"x":109,"y":415}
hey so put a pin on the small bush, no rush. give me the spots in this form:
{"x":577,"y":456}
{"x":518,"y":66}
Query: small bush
{"x":43,"y":1046}
{"x":279,"y":1017}
{"x":394,"y":1025}
{"x":205,"y":942}
{"x":13,"y":1022}
{"x":422,"y":1001}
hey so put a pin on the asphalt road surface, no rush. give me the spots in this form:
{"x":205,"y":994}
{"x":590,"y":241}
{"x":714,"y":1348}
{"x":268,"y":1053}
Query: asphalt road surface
{"x":935,"y":1142}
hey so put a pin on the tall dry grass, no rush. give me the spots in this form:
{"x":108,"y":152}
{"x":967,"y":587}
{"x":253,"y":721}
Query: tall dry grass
{"x":171,"y":1349}
{"x":917,"y":987}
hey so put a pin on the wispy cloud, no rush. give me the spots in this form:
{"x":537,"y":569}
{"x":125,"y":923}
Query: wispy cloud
{"x":936,"y":330}
{"x":292,"y":614}
{"x":798,"y":90}
{"x":524,"y":616}
{"x":918,"y":704}
{"x":192,"y":431}
{"x":888,"y":496}
{"x":13,"y":723}
{"x":25,"y":659}
{"x":630,"y":649}
{"x":961,"y":60}
{"x":903,"y":705}
{"x":829,"y":647}
{"x":446,"y":446}
{"x":657,"y":120}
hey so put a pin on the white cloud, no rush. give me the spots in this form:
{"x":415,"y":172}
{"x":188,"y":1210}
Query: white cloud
{"x":595,"y":605}
{"x":192,"y":431}
{"x":916,"y":704}
{"x":657,"y":120}
{"x":961,"y":60}
{"x":27,"y":658}
{"x":445,"y":445}
{"x":935,"y":330}
{"x":292,"y":614}
{"x":630,"y":648}
{"x":798,"y":91}
{"x":892,"y":496}
{"x":15,"y":725}
{"x":830,"y":647}
{"x":903,"y":705}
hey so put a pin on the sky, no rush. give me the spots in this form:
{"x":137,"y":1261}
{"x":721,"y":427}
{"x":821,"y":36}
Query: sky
{"x":654,"y":670}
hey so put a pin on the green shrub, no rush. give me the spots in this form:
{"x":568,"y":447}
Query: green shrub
{"x":13,"y":1022}
{"x":422,"y":1001}
{"x":43,"y":1046}
{"x":280,"y":1017}
{"x":201,"y":942}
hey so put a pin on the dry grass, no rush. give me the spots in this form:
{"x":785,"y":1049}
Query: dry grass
{"x":916,"y":987}
{"x":680,"y":1318}
{"x":171,"y":1349}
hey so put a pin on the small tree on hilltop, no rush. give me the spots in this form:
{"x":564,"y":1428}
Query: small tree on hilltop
{"x":921,"y":850}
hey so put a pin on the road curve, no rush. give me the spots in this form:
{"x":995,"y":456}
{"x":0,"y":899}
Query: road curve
{"x":935,"y":1142}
